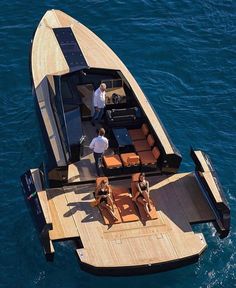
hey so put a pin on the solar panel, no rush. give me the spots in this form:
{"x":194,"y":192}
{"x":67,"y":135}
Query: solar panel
{"x":70,"y":48}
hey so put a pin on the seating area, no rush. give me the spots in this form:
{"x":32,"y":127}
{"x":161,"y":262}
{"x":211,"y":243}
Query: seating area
{"x":126,"y":117}
{"x":118,"y":164}
{"x":145,"y":147}
{"x":135,"y":151}
{"x":139,"y":134}
{"x":125,"y":209}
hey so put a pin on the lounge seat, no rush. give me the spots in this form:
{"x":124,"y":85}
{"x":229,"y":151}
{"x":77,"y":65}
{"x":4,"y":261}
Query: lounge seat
{"x":139,"y":134}
{"x":149,"y":158}
{"x":141,"y":145}
{"x":106,"y":216}
{"x":144,"y":145}
{"x":125,"y":204}
{"x":153,"y":213}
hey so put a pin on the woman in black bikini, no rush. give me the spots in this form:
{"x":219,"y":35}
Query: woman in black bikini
{"x":103,"y":195}
{"x":142,"y":195}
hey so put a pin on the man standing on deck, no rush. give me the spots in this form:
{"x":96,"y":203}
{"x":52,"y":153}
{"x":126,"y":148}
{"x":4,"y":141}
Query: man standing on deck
{"x":99,"y":103}
{"x":99,"y":145}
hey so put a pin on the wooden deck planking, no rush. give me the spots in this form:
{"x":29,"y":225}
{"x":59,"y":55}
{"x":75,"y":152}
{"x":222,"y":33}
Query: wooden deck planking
{"x":88,"y":220}
{"x":192,"y":200}
{"x":57,"y":232}
{"x":208,"y":175}
{"x":123,"y":244}
{"x":210,"y":181}
{"x":63,"y":223}
{"x":167,"y":202}
{"x":174,"y":217}
{"x":202,"y":160}
{"x":135,"y":242}
{"x":174,"y":198}
{"x":167,"y":238}
{"x":47,"y":57}
{"x":43,"y":199}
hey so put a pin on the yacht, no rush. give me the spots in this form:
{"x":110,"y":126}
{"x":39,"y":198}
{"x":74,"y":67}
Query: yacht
{"x":68,"y":63}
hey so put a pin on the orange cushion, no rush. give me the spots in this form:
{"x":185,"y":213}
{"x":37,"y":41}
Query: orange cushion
{"x":150,"y":140}
{"x":145,"y":129}
{"x":146,"y":157}
{"x":133,"y":188}
{"x":133,"y":160}
{"x":141,"y":145}
{"x":156,"y":152}
{"x":99,"y":180}
{"x":135,"y":177}
{"x":136,"y":134}
{"x":125,"y":205}
{"x":129,"y":159}
{"x":112,"y":161}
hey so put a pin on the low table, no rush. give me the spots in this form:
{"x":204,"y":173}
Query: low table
{"x":123,"y":140}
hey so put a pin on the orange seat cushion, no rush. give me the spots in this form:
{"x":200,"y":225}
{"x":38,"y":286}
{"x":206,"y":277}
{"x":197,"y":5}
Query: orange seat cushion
{"x":146,"y":157}
{"x":134,"y":188}
{"x":112,"y":161}
{"x":135,"y":177}
{"x":125,"y":204}
{"x":141,"y":145}
{"x":133,"y":160}
{"x":150,"y":140}
{"x":156,"y":152}
{"x":130,"y":159}
{"x":145,"y":129}
{"x":136,"y":134}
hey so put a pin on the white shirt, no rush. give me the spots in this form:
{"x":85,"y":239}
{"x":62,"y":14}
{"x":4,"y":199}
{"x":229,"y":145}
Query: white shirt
{"x":99,"y":98}
{"x":99,"y":144}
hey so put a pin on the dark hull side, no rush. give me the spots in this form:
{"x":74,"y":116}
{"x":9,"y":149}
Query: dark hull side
{"x":221,"y":209}
{"x":51,"y":159}
{"x":138,"y":270}
{"x":58,"y":178}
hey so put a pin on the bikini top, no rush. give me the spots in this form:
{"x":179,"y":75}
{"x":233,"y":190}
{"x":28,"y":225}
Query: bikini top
{"x":143,"y":186}
{"x":103,"y":192}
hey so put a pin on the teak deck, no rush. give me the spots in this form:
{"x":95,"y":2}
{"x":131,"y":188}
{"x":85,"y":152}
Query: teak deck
{"x":168,"y":238}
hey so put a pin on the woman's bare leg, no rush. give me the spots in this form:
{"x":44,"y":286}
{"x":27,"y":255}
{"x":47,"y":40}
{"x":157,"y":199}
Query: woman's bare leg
{"x":108,"y":208}
{"x":146,"y":197}
{"x":144,"y":203}
{"x":110,"y":202}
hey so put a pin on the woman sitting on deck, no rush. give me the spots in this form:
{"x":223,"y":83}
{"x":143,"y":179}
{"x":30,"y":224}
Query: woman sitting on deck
{"x":142,"y":195}
{"x":104,"y":197}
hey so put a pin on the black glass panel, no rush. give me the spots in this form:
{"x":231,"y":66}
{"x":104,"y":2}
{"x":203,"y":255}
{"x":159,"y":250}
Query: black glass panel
{"x":70,"y":48}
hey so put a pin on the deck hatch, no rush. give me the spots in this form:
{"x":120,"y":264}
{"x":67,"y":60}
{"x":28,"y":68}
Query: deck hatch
{"x":70,"y":48}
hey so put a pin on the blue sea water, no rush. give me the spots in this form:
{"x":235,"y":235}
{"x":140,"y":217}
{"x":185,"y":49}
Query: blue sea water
{"x":182,"y":53}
